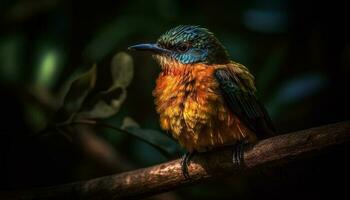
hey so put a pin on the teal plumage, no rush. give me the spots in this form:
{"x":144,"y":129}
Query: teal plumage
{"x":193,"y":44}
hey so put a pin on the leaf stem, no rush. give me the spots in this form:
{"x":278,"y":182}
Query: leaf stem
{"x":106,"y":125}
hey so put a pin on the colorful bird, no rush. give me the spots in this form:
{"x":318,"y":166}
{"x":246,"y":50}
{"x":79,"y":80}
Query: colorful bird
{"x":203,"y":98}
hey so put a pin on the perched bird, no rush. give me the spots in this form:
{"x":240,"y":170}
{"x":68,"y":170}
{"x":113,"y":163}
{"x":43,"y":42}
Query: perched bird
{"x":203,"y":98}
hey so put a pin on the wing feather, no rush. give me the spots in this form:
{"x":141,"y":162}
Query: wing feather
{"x":242,"y":101}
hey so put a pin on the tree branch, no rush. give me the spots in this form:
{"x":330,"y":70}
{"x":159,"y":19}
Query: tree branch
{"x":167,"y":176}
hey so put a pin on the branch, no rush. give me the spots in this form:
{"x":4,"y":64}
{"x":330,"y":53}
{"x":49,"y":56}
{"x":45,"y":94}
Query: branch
{"x":167,"y":176}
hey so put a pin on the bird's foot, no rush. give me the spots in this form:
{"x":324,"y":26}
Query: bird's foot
{"x":238,"y":153}
{"x":185,"y":162}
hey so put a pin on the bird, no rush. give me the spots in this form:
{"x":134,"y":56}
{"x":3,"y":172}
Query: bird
{"x":203,"y":98}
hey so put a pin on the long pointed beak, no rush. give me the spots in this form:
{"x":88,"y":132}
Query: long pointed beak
{"x":154,"y":48}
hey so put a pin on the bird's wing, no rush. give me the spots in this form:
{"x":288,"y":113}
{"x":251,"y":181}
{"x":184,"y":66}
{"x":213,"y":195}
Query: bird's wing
{"x":237,"y":88}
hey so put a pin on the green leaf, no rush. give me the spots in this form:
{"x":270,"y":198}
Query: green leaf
{"x":129,"y":122}
{"x":122,"y":69}
{"x":166,"y":145}
{"x":107,"y":103}
{"x":78,"y":90}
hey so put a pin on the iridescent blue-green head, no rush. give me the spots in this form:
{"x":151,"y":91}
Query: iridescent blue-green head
{"x":188,"y":44}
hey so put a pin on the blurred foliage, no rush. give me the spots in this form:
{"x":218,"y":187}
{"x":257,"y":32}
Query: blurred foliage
{"x":78,"y":91}
{"x":298,"y":54}
{"x":107,"y":103}
{"x":160,"y":141}
{"x":83,"y":104}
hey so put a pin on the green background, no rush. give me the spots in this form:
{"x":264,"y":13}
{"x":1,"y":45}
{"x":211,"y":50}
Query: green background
{"x":299,"y":52}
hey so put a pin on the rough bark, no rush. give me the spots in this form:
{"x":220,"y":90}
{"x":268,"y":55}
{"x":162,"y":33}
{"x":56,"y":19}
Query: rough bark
{"x":167,"y":176}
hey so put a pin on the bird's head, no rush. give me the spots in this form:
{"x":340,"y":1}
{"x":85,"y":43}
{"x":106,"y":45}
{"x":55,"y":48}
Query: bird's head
{"x":187,"y":44}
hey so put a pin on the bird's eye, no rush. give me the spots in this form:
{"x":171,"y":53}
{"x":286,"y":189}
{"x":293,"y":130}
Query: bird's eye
{"x":182,"y":47}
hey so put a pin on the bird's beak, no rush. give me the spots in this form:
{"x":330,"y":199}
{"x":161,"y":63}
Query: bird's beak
{"x":154,"y":48}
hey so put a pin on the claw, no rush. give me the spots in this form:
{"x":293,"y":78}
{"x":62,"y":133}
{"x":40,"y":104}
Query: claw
{"x":238,"y":153}
{"x":185,"y":162}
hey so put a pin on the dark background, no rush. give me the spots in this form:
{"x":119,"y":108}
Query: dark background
{"x":299,"y":52}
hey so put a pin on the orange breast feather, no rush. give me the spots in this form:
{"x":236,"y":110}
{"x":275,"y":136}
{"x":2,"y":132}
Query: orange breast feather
{"x":191,"y":107}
